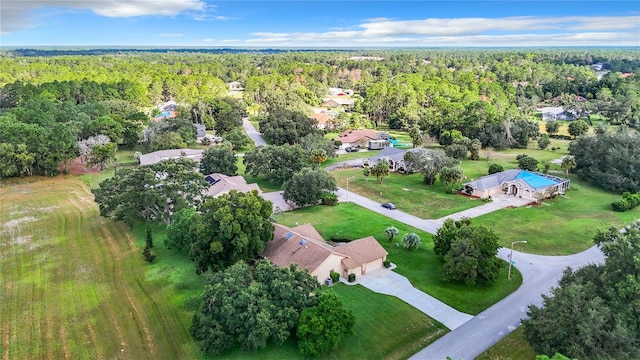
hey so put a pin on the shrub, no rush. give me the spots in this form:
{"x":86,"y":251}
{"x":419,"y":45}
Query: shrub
{"x":335,"y":277}
{"x":628,"y":202}
{"x":387,"y":264}
{"x":495,"y":168}
{"x":329,"y":199}
{"x":352,"y":277}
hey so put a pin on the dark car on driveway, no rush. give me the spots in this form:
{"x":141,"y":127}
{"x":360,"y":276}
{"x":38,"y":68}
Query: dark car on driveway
{"x":389,"y":206}
{"x":351,"y":149}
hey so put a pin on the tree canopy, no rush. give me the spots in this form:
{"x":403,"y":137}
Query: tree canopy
{"x":323,"y":327}
{"x":610,"y":159}
{"x":252,"y":307}
{"x":284,"y":126}
{"x":594,"y":313}
{"x":469,"y":252}
{"x":276,"y":163}
{"x":150,"y":192}
{"x":307,"y":186}
{"x":219,"y":160}
{"x":232,"y":227}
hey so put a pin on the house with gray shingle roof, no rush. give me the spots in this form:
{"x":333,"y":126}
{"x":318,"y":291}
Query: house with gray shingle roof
{"x":517,"y":182}
{"x":157,"y":156}
{"x":394,"y":156}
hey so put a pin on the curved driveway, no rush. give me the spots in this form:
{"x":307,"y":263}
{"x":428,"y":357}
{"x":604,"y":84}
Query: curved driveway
{"x":539,"y":275}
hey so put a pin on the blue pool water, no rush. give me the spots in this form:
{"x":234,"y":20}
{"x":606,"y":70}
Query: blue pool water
{"x":535,"y":181}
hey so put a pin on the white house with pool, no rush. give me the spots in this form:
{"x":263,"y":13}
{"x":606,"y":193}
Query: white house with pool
{"x":516,"y":182}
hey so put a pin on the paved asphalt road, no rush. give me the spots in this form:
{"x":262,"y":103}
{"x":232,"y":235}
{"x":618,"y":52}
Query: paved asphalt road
{"x":253,"y":133}
{"x":539,"y":274}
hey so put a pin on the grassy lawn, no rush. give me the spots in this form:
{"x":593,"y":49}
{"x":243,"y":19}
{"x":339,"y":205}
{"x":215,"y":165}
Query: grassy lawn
{"x":420,"y":266}
{"x":265,"y":185}
{"x":511,"y":347}
{"x":350,"y":156}
{"x":73,"y":284}
{"x":407,"y":192}
{"x":565,"y":226}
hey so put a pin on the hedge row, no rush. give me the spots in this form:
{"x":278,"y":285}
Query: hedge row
{"x":628,"y":202}
{"x":561,"y":137}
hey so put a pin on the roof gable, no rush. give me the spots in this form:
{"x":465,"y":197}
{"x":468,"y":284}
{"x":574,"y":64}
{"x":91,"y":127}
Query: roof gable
{"x":361,"y":251}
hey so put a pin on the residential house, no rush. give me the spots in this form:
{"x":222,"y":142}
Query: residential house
{"x":221,"y":184}
{"x":322,"y":119}
{"x":338,"y":102}
{"x":555,"y":113}
{"x":304,"y":246}
{"x":335,"y":91}
{"x":356,"y":138}
{"x":201,"y":132}
{"x":516,"y":182}
{"x":394,"y":156}
{"x":157,"y":156}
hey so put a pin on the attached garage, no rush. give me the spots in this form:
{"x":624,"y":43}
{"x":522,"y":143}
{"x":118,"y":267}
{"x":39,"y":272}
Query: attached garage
{"x":362,"y":255}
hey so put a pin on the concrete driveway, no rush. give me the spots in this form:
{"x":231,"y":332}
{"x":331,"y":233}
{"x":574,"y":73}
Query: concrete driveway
{"x":471,"y":338}
{"x":385,"y":281}
{"x":277,"y":200}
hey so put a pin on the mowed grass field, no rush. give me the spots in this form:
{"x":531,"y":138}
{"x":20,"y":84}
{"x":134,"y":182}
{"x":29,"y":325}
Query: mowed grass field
{"x":72,"y":283}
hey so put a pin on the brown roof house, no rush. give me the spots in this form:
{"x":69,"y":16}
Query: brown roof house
{"x":304,"y":246}
{"x":356,"y":138}
{"x":221,"y":184}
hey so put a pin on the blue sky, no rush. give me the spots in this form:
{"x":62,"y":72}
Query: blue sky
{"x":318,"y":23}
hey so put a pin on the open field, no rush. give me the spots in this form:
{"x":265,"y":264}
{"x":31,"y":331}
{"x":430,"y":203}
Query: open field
{"x":73,"y":284}
{"x":421,"y":266}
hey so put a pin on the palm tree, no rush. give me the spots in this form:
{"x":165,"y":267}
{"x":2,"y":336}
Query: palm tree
{"x":411,"y":241}
{"x":391,"y":232}
{"x":568,"y":163}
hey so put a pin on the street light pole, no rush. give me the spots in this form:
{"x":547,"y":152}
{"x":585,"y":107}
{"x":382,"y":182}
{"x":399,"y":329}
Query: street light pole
{"x":511,"y":256}
{"x":349,"y":178}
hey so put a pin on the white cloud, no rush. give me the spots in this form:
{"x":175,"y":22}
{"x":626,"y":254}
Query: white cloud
{"x":508,"y":31}
{"x":171,"y":35}
{"x":16,"y":14}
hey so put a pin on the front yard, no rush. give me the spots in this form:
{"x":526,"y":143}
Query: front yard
{"x":421,"y":266}
{"x":407,"y":192}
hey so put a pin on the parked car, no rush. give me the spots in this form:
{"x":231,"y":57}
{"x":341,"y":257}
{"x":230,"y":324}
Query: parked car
{"x":351,"y":149}
{"x":389,"y":206}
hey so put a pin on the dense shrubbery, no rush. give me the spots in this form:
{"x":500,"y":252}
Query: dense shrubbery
{"x":628,"y":202}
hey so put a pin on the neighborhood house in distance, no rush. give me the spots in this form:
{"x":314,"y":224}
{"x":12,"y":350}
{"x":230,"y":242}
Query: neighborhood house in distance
{"x":516,"y":182}
{"x":394,"y":157}
{"x":160,"y":155}
{"x":304,"y":246}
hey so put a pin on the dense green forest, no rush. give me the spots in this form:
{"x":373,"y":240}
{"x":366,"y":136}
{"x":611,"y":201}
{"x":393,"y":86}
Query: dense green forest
{"x":51,"y":102}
